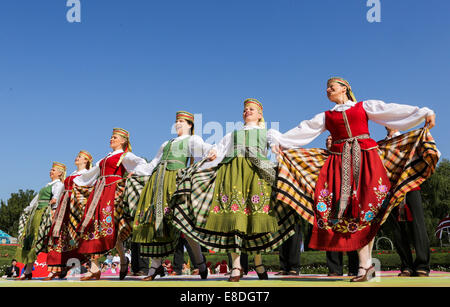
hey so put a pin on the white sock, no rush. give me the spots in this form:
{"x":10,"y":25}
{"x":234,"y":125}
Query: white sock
{"x":94,"y":266}
{"x":156,"y":263}
{"x":235,"y":265}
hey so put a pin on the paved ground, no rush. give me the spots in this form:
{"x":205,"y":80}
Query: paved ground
{"x":384,"y":279}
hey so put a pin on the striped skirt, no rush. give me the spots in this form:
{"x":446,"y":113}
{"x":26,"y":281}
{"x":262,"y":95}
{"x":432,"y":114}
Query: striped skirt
{"x":63,"y":247}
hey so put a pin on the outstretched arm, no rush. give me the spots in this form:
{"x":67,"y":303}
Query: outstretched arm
{"x":299,"y":136}
{"x":398,"y":116}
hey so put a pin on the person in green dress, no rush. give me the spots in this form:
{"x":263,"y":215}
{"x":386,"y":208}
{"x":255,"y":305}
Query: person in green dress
{"x":226,"y":204}
{"x":152,"y":227}
{"x":33,"y":233}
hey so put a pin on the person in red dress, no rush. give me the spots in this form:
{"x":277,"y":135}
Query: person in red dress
{"x":349,"y":183}
{"x":105,"y":224}
{"x":63,"y":239}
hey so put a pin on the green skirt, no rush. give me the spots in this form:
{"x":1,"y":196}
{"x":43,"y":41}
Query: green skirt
{"x":229,"y":208}
{"x":241,"y":200}
{"x":144,"y":226}
{"x":30,"y":245}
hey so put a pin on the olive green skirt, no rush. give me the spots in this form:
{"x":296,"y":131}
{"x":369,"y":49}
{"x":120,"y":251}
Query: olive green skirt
{"x":144,"y":225}
{"x":241,"y":201}
{"x":27,"y":251}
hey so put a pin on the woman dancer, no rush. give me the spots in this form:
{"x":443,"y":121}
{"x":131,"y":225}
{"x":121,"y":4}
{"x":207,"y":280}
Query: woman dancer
{"x":33,"y":233}
{"x":104,"y":224}
{"x":226,"y":204}
{"x":152,"y":226}
{"x":63,"y":239}
{"x":344,"y":192}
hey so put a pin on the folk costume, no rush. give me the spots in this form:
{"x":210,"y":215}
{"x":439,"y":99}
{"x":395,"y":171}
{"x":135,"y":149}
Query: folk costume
{"x":225,"y":204}
{"x":348,"y":191}
{"x":63,"y":237}
{"x":36,"y":220}
{"x":104,"y":219}
{"x":152,"y":226}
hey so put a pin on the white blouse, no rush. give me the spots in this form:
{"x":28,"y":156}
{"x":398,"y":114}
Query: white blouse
{"x":130,"y":161}
{"x":197,"y":149}
{"x":226,"y":144}
{"x":393,"y":115}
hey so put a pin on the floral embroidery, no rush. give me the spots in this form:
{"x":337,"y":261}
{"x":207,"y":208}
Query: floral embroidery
{"x":381,"y":191}
{"x":347,"y":224}
{"x":167,"y":210}
{"x":235,"y":207}
{"x":369,"y":216}
{"x":352,"y":227}
{"x":255,"y":199}
{"x":320,"y":224}
{"x":105,"y":228}
{"x":254,"y":203}
{"x":321,"y":207}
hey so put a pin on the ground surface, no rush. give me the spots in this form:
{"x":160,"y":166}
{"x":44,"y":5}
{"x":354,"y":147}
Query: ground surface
{"x":384,"y":279}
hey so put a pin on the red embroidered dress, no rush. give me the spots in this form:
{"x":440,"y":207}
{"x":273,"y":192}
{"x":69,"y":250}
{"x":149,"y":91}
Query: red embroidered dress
{"x":99,"y":233}
{"x":348,"y":211}
{"x":63,"y":241}
{"x":343,"y":191}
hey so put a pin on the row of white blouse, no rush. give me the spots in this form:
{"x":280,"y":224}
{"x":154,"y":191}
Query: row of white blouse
{"x":397,"y":116}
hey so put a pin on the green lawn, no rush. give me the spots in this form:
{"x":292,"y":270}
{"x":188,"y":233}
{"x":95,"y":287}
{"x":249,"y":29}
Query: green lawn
{"x":313,"y":262}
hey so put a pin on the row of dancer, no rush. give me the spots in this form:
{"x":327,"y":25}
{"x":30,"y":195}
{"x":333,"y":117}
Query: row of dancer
{"x":233,"y":199}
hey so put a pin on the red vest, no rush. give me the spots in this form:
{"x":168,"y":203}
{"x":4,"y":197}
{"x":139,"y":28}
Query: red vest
{"x":354,"y":123}
{"x":68,"y":183}
{"x":108,"y":167}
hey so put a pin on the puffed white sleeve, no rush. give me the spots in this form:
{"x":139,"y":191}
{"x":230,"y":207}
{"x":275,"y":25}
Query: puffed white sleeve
{"x":222,"y":148}
{"x":394,"y":115}
{"x":134,"y":164}
{"x":33,"y":203}
{"x":88,"y":179}
{"x":57,"y":189}
{"x":299,"y":136}
{"x":146,"y":169}
{"x":198,"y":148}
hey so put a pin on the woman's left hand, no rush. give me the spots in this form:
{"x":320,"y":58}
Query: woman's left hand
{"x":430,"y":121}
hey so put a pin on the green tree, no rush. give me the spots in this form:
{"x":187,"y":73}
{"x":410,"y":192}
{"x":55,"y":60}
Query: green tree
{"x":10,"y":212}
{"x":436,"y":198}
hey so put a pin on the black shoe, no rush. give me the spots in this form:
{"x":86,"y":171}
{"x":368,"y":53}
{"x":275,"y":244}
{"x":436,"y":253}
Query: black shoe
{"x":262,"y":276}
{"x":122,"y":274}
{"x":203,"y":274}
{"x":63,"y":273}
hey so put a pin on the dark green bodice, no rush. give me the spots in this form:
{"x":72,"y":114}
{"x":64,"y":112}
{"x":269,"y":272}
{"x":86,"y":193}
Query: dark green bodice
{"x":45,"y":195}
{"x":176,"y":154}
{"x":248,"y":143}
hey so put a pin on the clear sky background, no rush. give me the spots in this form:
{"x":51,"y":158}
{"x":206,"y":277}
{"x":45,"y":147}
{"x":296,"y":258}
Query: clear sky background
{"x":134,"y":63}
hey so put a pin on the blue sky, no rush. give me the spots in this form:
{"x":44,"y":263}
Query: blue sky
{"x":133,"y":64}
